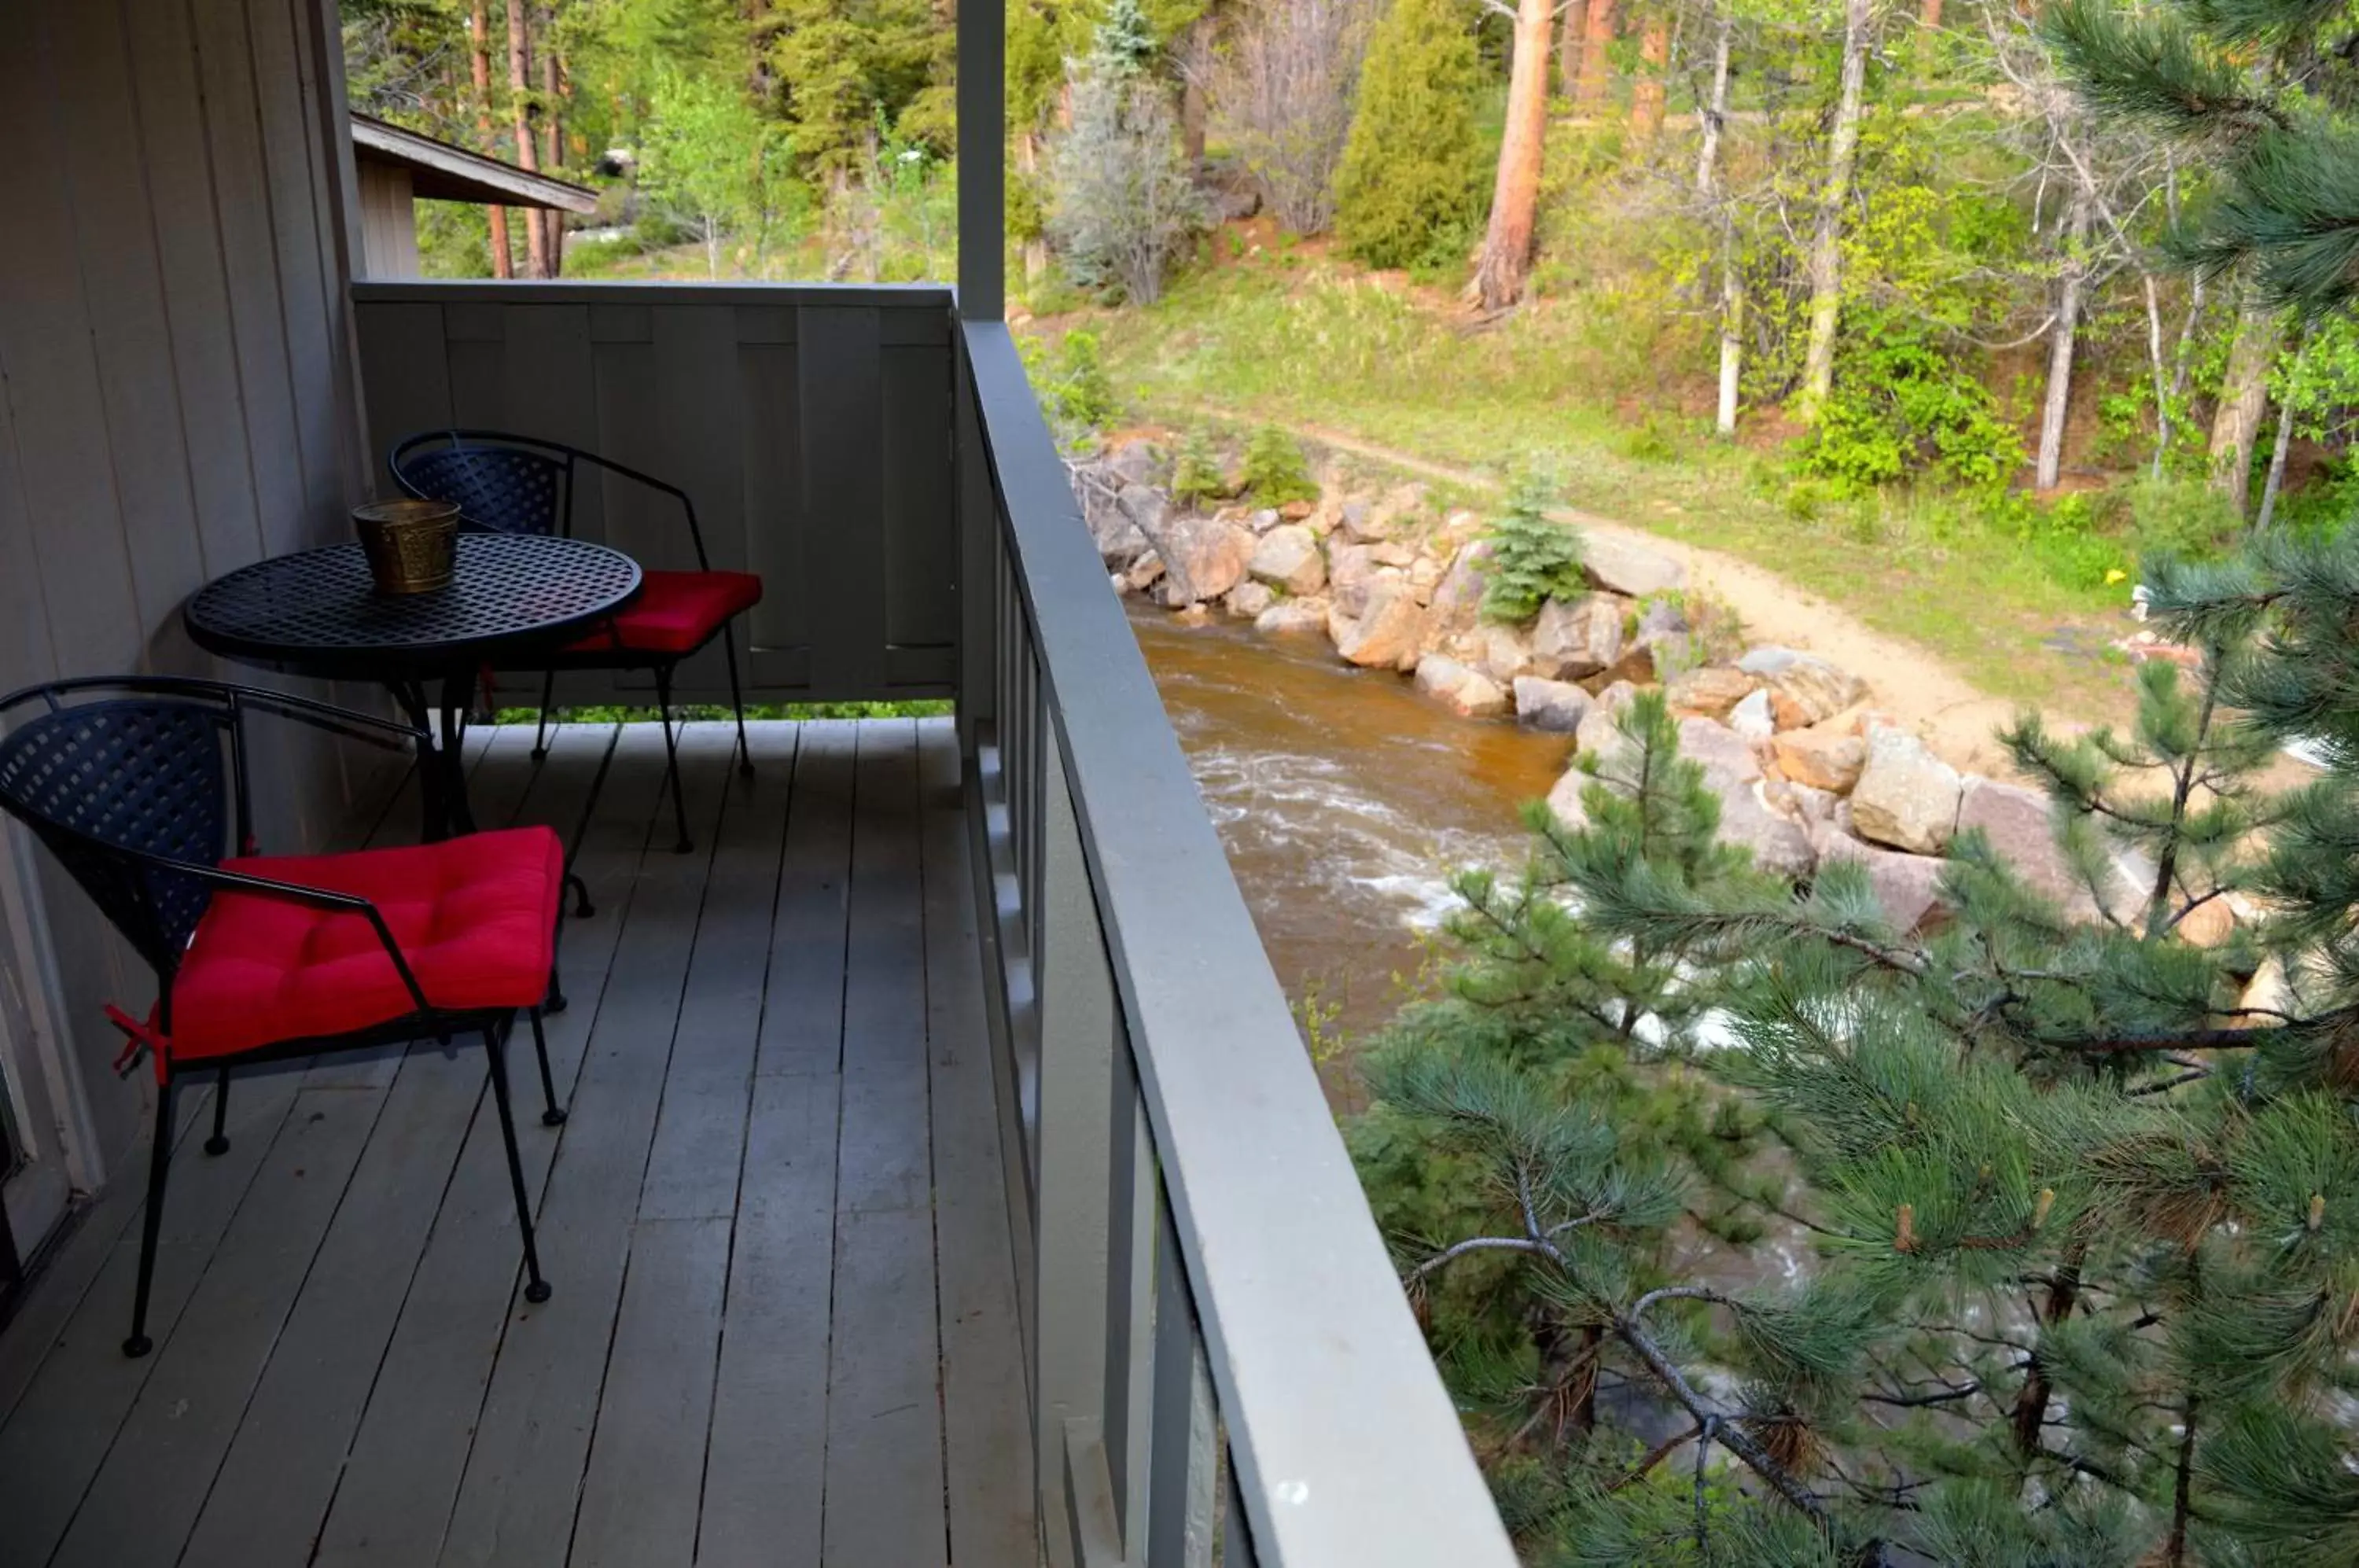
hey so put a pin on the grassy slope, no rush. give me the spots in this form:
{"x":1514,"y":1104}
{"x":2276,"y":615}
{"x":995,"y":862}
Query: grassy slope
{"x":1295,"y":337}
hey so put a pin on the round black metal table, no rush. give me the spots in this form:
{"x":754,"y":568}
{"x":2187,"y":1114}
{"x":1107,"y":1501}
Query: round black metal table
{"x":316,"y":613}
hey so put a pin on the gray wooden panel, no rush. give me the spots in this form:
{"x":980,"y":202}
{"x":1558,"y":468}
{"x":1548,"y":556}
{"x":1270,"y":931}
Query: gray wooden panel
{"x":516,"y":1503}
{"x":408,"y":378}
{"x":548,"y":390}
{"x":986,"y":1428}
{"x":778,"y":532}
{"x":26,"y":654}
{"x":885,"y":1474}
{"x":842,"y":477}
{"x":921,"y":557}
{"x":701,"y":434}
{"x":478,"y":377}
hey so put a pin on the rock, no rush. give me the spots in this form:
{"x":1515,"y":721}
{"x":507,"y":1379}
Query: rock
{"x":1204,"y":558}
{"x":1503,"y":653}
{"x":1392,"y":552}
{"x":1293,"y":616}
{"x":1439,"y":675}
{"x":1296,"y":511}
{"x":1811,"y":805}
{"x":1625,"y":567}
{"x":1387,"y":632}
{"x":1137,"y":464}
{"x":1289,"y":557}
{"x":1906,"y":887}
{"x":1725,"y":755}
{"x":1766,"y":661}
{"x":1558,"y":706}
{"x":1564,"y":800}
{"x":1248,"y":601}
{"x":2021,"y":826}
{"x":1261,"y":522}
{"x":2209,"y":925}
{"x":1570,"y":641}
{"x":1752,"y":719}
{"x":1669,"y":643}
{"x":1821,"y":758}
{"x":1121,"y":583}
{"x":1351,"y":572}
{"x":1195,"y":615}
{"x":1808,"y":691}
{"x":1402,"y":504}
{"x":1905,"y":797}
{"x":1597,"y":730}
{"x":1144,"y":573}
{"x":1118,"y":537}
{"x":1424,"y":577}
{"x":1779,"y":845}
{"x":1635,"y":667}
{"x":1457,"y":602}
{"x":1357,"y":522}
{"x":1474,"y":694}
{"x":1712,"y":690}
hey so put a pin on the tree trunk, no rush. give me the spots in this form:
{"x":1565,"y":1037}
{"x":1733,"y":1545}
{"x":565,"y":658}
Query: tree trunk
{"x":2060,"y":338}
{"x":1027,"y":164}
{"x":520,"y":89}
{"x":2276,"y":486}
{"x":1647,"y":95}
{"x":479,"y":63}
{"x":1732,"y":285}
{"x":552,"y":135}
{"x":1195,"y":102}
{"x":2244,"y":399}
{"x":1929,"y":28}
{"x":1596,"y":64}
{"x":2183,"y":1488}
{"x":1826,"y":245}
{"x":1715,"y":118}
{"x":1514,"y":199}
{"x":2031,"y":1402}
{"x":1567,"y":47}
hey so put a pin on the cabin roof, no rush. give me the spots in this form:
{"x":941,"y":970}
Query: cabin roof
{"x":442,"y":172}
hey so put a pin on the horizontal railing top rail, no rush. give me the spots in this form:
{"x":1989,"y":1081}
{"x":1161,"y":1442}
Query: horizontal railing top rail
{"x":632,"y":291}
{"x":1347,"y":1450}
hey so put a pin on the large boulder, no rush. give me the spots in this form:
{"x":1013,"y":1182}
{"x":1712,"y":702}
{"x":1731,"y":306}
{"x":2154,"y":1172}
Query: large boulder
{"x":1474,"y":694}
{"x":2021,"y":826}
{"x":1144,"y":573}
{"x":1564,"y":799}
{"x":1352,"y":569}
{"x":1287,"y":557}
{"x":1388,"y":631}
{"x":1725,"y":753}
{"x":1204,"y":558}
{"x":1290,"y":617}
{"x":1625,"y":566}
{"x":1821,"y":757}
{"x":1905,"y":798}
{"x":1113,"y":529}
{"x":1137,"y":463}
{"x":1558,"y":706}
{"x":1597,"y":730}
{"x":1249,"y":600}
{"x":1779,"y":842}
{"x":1752,"y":719}
{"x":1572,"y":640}
{"x":1712,"y":690}
{"x":1503,"y":653}
{"x":1811,"y":691}
{"x":1457,"y":602}
{"x":1907,"y":887}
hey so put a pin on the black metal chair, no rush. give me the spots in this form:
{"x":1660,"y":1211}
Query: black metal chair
{"x":138,"y":785}
{"x":511,"y":484}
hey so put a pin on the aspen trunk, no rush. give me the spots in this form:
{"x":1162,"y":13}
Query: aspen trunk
{"x":2072,"y":287}
{"x":1732,"y":283}
{"x":479,"y":65}
{"x":536,"y":236}
{"x":552,"y":135}
{"x":2276,"y":485}
{"x":1567,"y":47}
{"x":1826,"y":245}
{"x":1596,"y":64}
{"x":1027,"y":164}
{"x":1715,"y":112}
{"x":2244,"y":399}
{"x":1647,"y":95}
{"x":1514,"y":199}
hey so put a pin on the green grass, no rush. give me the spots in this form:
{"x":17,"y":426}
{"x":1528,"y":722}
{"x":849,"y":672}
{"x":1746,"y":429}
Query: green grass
{"x":1593,"y":392}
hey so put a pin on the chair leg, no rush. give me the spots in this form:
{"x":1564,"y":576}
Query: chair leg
{"x":556,"y":1002}
{"x":218,"y":1144}
{"x":540,"y":728}
{"x":737,"y":699}
{"x":536,"y":1289}
{"x":582,"y":908}
{"x":550,"y":1115}
{"x":671,"y":754}
{"x":160,"y":1169}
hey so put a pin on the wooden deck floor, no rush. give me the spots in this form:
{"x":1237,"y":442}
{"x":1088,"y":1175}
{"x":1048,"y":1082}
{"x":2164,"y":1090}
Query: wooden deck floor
{"x":783,"y":1328}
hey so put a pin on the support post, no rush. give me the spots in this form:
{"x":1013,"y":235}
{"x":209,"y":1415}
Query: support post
{"x":982,"y":160}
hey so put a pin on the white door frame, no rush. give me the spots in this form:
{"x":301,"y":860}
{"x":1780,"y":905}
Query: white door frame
{"x":51,"y":1111}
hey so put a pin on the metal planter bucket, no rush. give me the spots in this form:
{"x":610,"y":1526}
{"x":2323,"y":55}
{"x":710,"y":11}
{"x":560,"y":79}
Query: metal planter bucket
{"x":412,"y":545}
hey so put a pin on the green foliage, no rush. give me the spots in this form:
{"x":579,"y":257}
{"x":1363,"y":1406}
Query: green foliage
{"x":714,"y":167}
{"x":1276,"y":472}
{"x":1534,"y":558}
{"x":1409,"y":186}
{"x":1899,"y":409}
{"x":1196,"y":476}
{"x":1072,"y":385}
{"x":1125,"y":207}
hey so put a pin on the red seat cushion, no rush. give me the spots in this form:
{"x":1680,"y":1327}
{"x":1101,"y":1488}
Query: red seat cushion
{"x":475,"y":917}
{"x":675,"y":611}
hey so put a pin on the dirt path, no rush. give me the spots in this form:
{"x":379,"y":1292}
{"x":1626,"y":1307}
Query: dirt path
{"x":1920,"y":692}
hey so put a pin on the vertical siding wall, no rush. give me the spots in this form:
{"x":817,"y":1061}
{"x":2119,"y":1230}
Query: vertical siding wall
{"x":811,"y":425}
{"x":175,"y":388}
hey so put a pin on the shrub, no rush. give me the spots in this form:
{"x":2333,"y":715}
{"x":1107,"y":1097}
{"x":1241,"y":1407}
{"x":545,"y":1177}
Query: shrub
{"x":1533,"y":557}
{"x":1275,"y":471}
{"x":1410,"y":181}
{"x":1284,"y":94}
{"x":1125,"y":207}
{"x":1900,"y":408}
{"x":1072,"y":385}
{"x":1196,"y":476}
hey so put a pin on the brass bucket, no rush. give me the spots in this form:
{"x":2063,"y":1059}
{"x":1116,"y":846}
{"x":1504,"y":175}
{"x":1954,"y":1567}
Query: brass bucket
{"x":412,"y":546}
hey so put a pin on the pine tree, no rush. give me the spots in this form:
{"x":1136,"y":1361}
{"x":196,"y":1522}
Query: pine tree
{"x":1534,"y":558}
{"x":1409,"y":187}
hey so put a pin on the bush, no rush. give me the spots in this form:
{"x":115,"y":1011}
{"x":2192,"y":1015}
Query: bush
{"x":1196,"y":476}
{"x":1534,"y":559}
{"x":1125,"y":207}
{"x":1284,"y":96}
{"x":1072,"y":385}
{"x":1899,"y":409}
{"x":1411,"y":182}
{"x":1276,"y":472}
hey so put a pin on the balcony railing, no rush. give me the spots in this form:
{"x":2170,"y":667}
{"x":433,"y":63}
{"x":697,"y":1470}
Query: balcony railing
{"x":1217,"y":1343}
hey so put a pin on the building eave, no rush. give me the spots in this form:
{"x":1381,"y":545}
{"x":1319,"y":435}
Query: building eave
{"x":439,"y":171}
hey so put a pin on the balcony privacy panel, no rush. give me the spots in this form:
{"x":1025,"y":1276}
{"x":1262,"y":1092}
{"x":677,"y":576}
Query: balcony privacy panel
{"x":812,"y":426}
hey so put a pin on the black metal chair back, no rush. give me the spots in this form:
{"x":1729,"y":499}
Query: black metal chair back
{"x":112,"y":786}
{"x":502,"y":485}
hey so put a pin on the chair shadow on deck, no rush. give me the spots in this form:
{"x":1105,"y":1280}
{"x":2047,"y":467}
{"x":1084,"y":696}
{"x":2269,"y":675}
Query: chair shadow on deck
{"x":784,"y":1329}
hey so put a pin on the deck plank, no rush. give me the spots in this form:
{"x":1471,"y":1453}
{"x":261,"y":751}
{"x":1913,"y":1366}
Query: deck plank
{"x":764,"y":1468}
{"x":523,"y":1481}
{"x":884,"y":1420}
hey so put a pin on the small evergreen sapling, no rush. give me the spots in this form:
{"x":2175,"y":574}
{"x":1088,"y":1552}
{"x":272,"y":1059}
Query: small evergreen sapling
{"x":1196,"y":476}
{"x":1533,"y":559}
{"x":1276,"y":472}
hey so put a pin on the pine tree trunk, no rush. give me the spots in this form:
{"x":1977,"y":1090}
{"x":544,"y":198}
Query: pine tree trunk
{"x":2031,"y":1403}
{"x":1647,"y":96}
{"x":2060,"y":339}
{"x":552,"y":135}
{"x":520,"y":90}
{"x":1506,"y":256}
{"x":2244,"y":399}
{"x":1596,"y":63}
{"x":1567,"y":47}
{"x":1826,"y":245}
{"x":2183,"y":1488}
{"x":1929,"y":28}
{"x":479,"y":65}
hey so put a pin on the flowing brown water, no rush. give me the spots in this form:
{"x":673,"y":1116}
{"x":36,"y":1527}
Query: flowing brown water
{"x":1346,"y":800}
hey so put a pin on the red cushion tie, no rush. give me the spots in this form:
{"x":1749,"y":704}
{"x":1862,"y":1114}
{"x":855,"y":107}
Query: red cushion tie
{"x":138,"y":1037}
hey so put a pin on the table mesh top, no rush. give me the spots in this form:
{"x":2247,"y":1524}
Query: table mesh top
{"x":321,"y":601}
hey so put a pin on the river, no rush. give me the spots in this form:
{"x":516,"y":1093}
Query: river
{"x":1346,"y":801}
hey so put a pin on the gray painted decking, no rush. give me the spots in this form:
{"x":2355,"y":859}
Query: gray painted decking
{"x":784,"y":1330}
